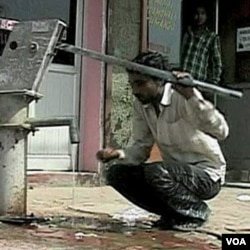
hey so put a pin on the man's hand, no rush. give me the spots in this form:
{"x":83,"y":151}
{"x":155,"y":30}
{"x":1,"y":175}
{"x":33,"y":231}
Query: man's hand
{"x":186,"y":91}
{"x":107,"y":154}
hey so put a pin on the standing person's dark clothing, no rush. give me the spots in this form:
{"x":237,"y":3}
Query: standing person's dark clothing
{"x":201,"y":49}
{"x":201,"y":55}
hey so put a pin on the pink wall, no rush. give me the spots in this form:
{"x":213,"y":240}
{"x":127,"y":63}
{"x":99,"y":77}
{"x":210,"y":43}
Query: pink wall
{"x":92,"y":81}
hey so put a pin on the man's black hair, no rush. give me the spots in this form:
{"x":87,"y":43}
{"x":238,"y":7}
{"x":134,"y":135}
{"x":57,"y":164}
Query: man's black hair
{"x":152,"y":59}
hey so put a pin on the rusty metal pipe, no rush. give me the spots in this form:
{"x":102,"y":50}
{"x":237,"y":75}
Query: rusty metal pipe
{"x":57,"y":121}
{"x":166,"y":75}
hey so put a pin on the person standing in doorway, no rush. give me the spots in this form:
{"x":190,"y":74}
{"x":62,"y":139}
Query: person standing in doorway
{"x":201,"y":49}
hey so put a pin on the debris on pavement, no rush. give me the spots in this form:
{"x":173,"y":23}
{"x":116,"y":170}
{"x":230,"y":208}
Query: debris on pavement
{"x":243,"y":197}
{"x":81,"y":235}
{"x":132,"y":216}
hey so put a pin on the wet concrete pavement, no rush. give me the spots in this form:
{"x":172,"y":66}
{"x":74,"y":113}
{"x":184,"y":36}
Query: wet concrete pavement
{"x":73,"y":238}
{"x":83,"y":218}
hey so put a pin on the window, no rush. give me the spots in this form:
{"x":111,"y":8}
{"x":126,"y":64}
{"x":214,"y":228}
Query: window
{"x":64,"y":10}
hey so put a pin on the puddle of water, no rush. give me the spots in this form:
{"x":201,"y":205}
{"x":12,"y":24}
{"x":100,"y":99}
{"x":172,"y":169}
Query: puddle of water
{"x":141,"y":235}
{"x":67,"y":233}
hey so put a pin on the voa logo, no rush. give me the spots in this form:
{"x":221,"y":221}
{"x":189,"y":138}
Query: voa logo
{"x":236,"y":242}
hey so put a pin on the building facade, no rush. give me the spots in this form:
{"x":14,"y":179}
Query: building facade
{"x":91,"y":91}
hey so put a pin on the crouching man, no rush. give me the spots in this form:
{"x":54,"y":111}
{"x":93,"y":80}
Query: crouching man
{"x":186,"y":128}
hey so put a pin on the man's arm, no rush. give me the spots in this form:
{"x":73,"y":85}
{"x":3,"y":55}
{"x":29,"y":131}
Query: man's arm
{"x":204,"y":116}
{"x":140,"y":150}
{"x":198,"y":111}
